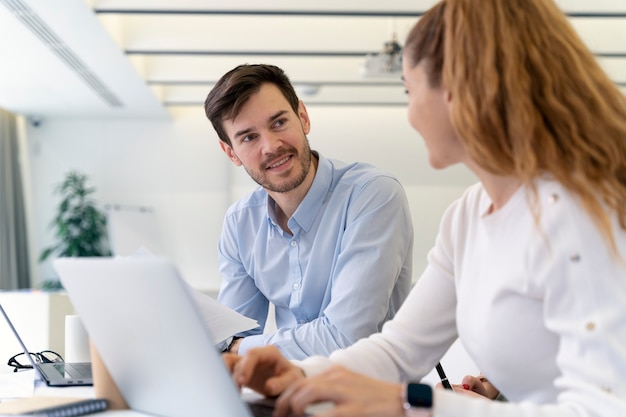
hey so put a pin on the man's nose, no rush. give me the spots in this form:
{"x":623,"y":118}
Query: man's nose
{"x":270,"y":142}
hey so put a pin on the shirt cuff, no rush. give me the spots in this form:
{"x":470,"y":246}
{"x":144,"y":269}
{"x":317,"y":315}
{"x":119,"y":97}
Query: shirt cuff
{"x":249,"y":342}
{"x":314,"y":365}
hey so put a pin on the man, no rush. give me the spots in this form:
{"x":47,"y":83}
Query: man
{"x":328,"y":243}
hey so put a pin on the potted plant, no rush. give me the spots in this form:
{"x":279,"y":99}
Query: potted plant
{"x":79,"y":226}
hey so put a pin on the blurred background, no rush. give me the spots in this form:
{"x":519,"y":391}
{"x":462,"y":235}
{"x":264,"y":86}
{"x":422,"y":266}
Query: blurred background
{"x":114,"y":90}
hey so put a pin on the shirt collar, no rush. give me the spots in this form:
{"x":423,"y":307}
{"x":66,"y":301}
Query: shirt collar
{"x":306,"y":212}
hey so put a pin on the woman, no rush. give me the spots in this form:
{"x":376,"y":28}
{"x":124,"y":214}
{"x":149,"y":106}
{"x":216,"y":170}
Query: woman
{"x":529,"y":267}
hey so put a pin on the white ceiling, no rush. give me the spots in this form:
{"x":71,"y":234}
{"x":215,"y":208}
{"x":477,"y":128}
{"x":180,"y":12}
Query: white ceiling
{"x":136,"y":58}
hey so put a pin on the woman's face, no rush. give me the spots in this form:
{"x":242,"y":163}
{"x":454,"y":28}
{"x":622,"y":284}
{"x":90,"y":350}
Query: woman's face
{"x":429,"y":115}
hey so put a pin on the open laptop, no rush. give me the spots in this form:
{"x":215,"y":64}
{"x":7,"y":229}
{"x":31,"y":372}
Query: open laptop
{"x":57,"y":374}
{"x":149,"y":333}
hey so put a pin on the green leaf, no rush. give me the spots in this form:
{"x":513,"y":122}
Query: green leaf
{"x":79,"y":226}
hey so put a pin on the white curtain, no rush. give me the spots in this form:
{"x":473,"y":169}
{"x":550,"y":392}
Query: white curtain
{"x":14,"y":271}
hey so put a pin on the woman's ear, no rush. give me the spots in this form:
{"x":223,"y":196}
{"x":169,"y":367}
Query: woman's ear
{"x":448,"y":94}
{"x":228,"y":150}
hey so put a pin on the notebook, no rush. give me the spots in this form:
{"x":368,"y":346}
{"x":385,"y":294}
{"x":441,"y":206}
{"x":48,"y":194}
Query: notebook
{"x":52,"y":406}
{"x":147,"y":328}
{"x":62,"y":374}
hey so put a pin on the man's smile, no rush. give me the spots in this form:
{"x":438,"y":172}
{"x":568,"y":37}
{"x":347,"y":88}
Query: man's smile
{"x":279,"y":162}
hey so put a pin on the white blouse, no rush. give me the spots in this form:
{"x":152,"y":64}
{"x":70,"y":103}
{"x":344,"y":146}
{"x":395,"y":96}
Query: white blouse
{"x":538,"y":302}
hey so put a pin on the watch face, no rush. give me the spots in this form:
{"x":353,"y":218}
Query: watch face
{"x":419,"y":395}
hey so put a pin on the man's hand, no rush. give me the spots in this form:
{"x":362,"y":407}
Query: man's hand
{"x":265,"y":370}
{"x":234,"y":346}
{"x":230,"y":359}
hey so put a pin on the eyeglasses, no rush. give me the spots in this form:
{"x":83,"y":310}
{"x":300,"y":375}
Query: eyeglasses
{"x":20,"y":361}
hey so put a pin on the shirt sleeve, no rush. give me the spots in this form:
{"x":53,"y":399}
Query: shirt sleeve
{"x":376,"y":257}
{"x":408,"y":348}
{"x":238,"y":289}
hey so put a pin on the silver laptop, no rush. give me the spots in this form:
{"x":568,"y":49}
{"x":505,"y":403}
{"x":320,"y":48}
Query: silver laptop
{"x":148,"y":330}
{"x":55,"y":374}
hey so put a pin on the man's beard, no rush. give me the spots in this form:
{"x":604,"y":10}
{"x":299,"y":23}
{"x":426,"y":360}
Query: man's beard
{"x":304,"y":162}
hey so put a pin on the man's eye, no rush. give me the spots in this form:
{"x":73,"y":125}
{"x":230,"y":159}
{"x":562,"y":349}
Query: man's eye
{"x":247,"y":138}
{"x":280,"y":122}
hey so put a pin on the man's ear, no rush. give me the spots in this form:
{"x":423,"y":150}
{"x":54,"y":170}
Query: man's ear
{"x":304,"y":118}
{"x":228,"y":150}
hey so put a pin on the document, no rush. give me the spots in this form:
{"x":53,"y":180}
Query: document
{"x":221,"y":321}
{"x":17,"y":384}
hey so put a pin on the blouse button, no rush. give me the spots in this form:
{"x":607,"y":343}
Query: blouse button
{"x":606,"y":389}
{"x":554,"y":198}
{"x":293,"y":243}
{"x":296,"y":286}
{"x":574,"y":257}
{"x":591,"y":326}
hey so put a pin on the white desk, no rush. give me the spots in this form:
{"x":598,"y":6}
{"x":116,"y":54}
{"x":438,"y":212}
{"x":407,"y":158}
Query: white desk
{"x":22,"y":384}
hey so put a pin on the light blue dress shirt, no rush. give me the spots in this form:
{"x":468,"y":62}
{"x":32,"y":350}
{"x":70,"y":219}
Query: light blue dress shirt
{"x":343,"y":273}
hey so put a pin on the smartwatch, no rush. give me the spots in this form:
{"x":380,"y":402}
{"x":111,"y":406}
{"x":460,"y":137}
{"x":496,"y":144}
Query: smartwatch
{"x":417,"y":399}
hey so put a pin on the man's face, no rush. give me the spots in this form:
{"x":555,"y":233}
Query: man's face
{"x":269,"y":140}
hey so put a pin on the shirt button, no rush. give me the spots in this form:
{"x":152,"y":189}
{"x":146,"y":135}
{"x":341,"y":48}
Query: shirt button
{"x":574,"y":257}
{"x":554,"y":198}
{"x":606,"y":389}
{"x":293,"y":243}
{"x":296,"y":286}
{"x":591,"y":326}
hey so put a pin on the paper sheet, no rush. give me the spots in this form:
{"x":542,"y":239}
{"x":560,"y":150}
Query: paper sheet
{"x":17,"y":384}
{"x":221,"y":321}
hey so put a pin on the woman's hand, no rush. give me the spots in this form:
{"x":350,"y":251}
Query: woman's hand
{"x":265,"y":370}
{"x":352,"y":394}
{"x":477,"y":386}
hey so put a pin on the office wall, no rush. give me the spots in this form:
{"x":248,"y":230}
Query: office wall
{"x":176,"y":167}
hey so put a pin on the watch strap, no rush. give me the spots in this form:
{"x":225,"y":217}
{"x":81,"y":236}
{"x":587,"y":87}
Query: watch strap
{"x":232,"y":342}
{"x":417,"y":399}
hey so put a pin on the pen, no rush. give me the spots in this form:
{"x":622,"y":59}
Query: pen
{"x":443,"y":377}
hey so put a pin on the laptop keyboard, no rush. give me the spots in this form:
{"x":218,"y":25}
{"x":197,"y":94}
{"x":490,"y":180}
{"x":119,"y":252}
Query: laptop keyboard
{"x":263,"y":408}
{"x":75,"y":370}
{"x":260,"y":410}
